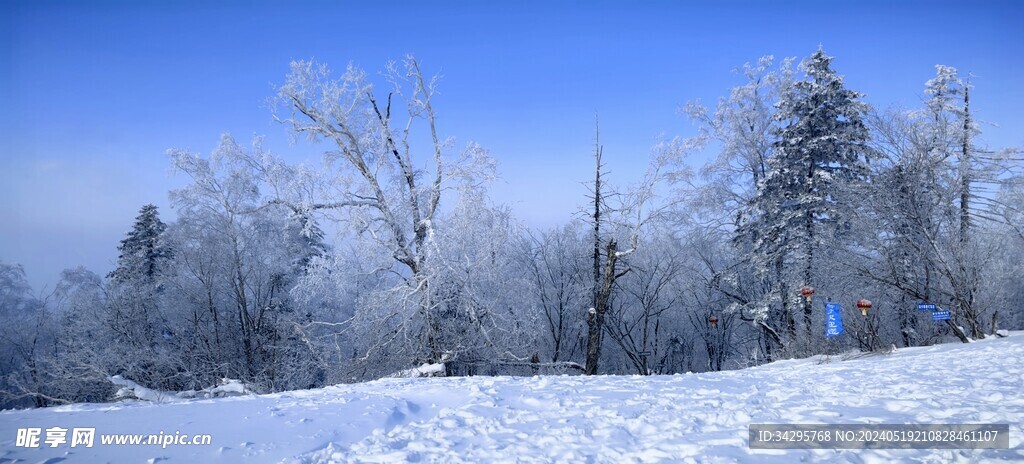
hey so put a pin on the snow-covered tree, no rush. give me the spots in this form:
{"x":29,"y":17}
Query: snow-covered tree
{"x":238,"y":256}
{"x":143,"y":251}
{"x":745,"y":128}
{"x":133,"y":298}
{"x":620,"y":218}
{"x":744,"y":125}
{"x":477,"y":277}
{"x":25,"y":333}
{"x":377,"y":186}
{"x":556,"y":262}
{"x":640,"y":323}
{"x":88,"y":346}
{"x":933,"y":193}
{"x":804,"y":202}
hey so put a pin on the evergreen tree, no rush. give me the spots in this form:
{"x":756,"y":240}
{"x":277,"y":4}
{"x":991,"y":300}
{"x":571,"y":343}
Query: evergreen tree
{"x":143,"y":250}
{"x":820,"y":151}
{"x":141,"y":334}
{"x":305,"y":240}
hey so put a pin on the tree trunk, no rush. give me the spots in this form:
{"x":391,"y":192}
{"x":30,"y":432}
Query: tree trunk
{"x":595,"y":316}
{"x":967,"y":308}
{"x":809,"y":265}
{"x":787,"y":313}
{"x":956,"y":331}
{"x":965,"y":175}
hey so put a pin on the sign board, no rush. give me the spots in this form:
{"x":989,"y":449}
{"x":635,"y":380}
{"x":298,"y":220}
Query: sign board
{"x":926,"y":307}
{"x":833,"y":320}
{"x":940,"y":315}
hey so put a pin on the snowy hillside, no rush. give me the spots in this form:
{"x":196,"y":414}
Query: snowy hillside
{"x":569,"y":419}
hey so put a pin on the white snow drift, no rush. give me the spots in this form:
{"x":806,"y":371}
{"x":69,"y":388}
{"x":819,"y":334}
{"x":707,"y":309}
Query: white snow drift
{"x":685,"y":418}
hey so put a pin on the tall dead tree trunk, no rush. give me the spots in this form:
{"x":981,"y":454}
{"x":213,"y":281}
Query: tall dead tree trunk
{"x":965,"y":173}
{"x":597,"y":213}
{"x":968,"y":272}
{"x":595,"y":315}
{"x":605,"y":273}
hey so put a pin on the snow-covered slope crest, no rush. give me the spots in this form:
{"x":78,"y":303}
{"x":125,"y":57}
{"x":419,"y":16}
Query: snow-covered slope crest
{"x":683,"y":418}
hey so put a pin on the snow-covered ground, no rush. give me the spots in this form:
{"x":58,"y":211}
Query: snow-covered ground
{"x":681,"y":418}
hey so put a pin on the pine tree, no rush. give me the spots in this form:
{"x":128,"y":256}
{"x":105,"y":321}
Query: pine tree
{"x":820,"y":151}
{"x":142,"y":252}
{"x":306,"y":240}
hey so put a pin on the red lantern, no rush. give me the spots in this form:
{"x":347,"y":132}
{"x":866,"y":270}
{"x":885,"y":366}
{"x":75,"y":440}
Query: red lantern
{"x":864,"y":305}
{"x":713,"y":320}
{"x":807,"y":292}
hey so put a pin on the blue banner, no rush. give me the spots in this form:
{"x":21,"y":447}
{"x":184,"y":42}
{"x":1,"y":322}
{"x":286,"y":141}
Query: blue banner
{"x":925,"y":307}
{"x":833,"y":320}
{"x":940,"y":315}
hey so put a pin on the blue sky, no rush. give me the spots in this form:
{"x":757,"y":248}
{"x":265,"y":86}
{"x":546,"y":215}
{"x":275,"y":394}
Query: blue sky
{"x":93,"y":93}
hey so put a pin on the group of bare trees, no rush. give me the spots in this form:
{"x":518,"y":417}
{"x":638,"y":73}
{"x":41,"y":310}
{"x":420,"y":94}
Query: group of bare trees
{"x":389,"y":253}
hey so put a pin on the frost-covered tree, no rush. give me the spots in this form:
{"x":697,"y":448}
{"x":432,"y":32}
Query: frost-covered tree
{"x":619,"y":217}
{"x":237,"y":258}
{"x":477,"y":277}
{"x":306,"y":240}
{"x":88,"y":346}
{"x":25,"y":334}
{"x":386,"y":175}
{"x":133,"y":297}
{"x":640,"y":323}
{"x":1006,"y":280}
{"x":745,"y":127}
{"x":556,"y":262}
{"x":143,"y":251}
{"x":804,"y":204}
{"x":908,"y":191}
{"x":933,"y":193}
